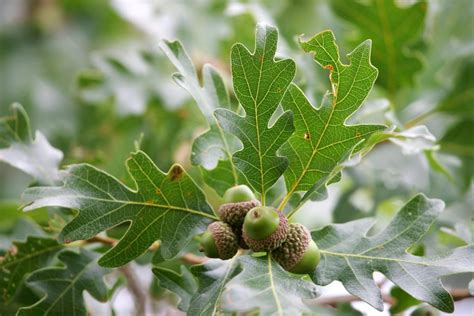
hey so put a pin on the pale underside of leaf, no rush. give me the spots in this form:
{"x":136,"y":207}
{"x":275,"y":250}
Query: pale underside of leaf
{"x":349,"y":255}
{"x":214,"y":148}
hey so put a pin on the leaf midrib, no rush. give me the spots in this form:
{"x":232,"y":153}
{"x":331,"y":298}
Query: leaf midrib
{"x":176,"y":208}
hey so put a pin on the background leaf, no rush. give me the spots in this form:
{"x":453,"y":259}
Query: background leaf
{"x":259,"y":84}
{"x":34,"y":156}
{"x":63,"y":287}
{"x":182,"y":284}
{"x":393,"y":30}
{"x":349,"y":254}
{"x":212,"y":278}
{"x":213,"y":149}
{"x":24,"y":258}
{"x":167,"y":207}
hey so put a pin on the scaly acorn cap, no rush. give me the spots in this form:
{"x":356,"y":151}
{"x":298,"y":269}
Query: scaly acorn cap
{"x":264,"y":228}
{"x":234,"y":213}
{"x":299,"y":253}
{"x":219,"y":241}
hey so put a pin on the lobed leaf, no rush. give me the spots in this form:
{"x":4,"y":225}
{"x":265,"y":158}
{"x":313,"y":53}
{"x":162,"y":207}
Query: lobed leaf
{"x":259,"y":83}
{"x":349,"y":254}
{"x":213,"y":149}
{"x":64,"y":287}
{"x":34,"y":156}
{"x":24,"y":258}
{"x":165,"y":206}
{"x":322,"y":141}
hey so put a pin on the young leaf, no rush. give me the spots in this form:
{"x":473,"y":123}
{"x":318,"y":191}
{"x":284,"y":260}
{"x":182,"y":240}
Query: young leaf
{"x":165,"y":206}
{"x":26,"y":257}
{"x":34,"y":156}
{"x":184,"y":285}
{"x":349,"y":255}
{"x":63,"y":287}
{"x":259,"y":83}
{"x":213,"y":149}
{"x":322,"y":141}
{"x":392,"y":30}
{"x":263,"y":285}
{"x":212,"y":278}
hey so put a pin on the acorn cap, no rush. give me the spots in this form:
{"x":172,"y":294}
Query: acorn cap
{"x":234,"y":213}
{"x":264,"y":228}
{"x":219,"y":241}
{"x":299,"y":253}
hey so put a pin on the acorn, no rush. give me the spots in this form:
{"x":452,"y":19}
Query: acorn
{"x":264,"y":228}
{"x":219,"y":241}
{"x":299,"y":253}
{"x":238,"y":201}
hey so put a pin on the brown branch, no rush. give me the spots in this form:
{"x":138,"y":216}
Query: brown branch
{"x":460,"y":294}
{"x":334,"y":300}
{"x":103,"y":240}
{"x":457,"y":294}
{"x":193,"y":259}
{"x":133,"y":284}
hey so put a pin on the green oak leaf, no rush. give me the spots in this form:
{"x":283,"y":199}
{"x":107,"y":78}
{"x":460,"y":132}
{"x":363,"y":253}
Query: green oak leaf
{"x":182,"y":284}
{"x":459,"y":101}
{"x":350,"y":255}
{"x":24,"y":258}
{"x":458,"y":140}
{"x":63,"y":287}
{"x":213,"y":149}
{"x":129,"y":78}
{"x":393,"y":29}
{"x":34,"y":156}
{"x":322,"y":140}
{"x":165,"y":206}
{"x":403,"y":300}
{"x":259,"y":83}
{"x":263,"y":285}
{"x":212,"y":278}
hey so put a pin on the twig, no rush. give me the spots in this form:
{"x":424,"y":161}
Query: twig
{"x":457,"y":294}
{"x":103,"y":240}
{"x":193,"y":259}
{"x":140,"y":298}
{"x":334,"y":300}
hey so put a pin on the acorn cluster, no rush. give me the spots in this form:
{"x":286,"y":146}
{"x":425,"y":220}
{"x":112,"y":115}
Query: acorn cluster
{"x":248,"y":225}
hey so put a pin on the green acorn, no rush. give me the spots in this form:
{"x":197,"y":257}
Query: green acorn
{"x":238,"y":193}
{"x":264,"y":228}
{"x":238,"y":201}
{"x":219,"y":241}
{"x":299,"y":253}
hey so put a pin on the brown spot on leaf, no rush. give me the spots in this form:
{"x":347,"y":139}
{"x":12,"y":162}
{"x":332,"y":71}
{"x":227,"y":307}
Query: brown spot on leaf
{"x":358,"y":135}
{"x":329,"y":67}
{"x":158,"y":191}
{"x":307,"y":136}
{"x":176,"y":173}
